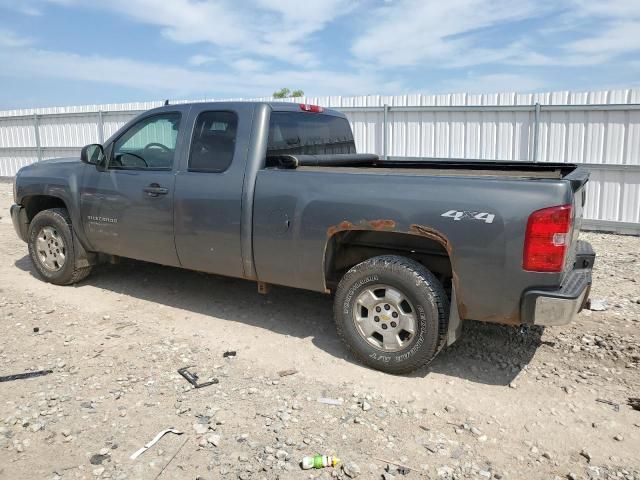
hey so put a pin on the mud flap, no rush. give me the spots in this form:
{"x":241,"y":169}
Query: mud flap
{"x":455,"y":322}
{"x":83,"y":258}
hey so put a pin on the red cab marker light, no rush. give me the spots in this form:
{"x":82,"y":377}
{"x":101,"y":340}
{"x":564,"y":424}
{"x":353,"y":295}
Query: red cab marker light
{"x":546,"y":239}
{"x":306,"y":107}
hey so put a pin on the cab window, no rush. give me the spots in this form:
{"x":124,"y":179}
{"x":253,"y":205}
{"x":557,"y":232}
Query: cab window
{"x":214,"y":142}
{"x":149,"y":144}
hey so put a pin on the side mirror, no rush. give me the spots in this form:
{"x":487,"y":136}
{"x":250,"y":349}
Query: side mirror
{"x":92,"y":154}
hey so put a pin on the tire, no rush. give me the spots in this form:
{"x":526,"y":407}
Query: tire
{"x":50,"y":241}
{"x":375,"y":282}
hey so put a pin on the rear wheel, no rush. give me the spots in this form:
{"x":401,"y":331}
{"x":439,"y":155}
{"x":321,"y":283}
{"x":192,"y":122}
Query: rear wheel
{"x":51,"y":247}
{"x":392,"y":313}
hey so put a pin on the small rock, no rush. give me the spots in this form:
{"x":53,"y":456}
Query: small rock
{"x":97,"y":472}
{"x":351,"y":470}
{"x":97,"y":459}
{"x":282,"y":455}
{"x":366,"y":406}
{"x":445,"y":471}
{"x":200,"y":428}
{"x":598,"y":305}
{"x":618,"y":438}
{"x":585,"y":454}
{"x":214,"y":440}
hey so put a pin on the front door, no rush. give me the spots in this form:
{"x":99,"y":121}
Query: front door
{"x":127,"y":206}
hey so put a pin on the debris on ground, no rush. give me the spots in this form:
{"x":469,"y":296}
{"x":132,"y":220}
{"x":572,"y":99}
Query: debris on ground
{"x":615,"y":406}
{"x":330,"y":401}
{"x":22,"y":376}
{"x":634,"y":403}
{"x":171,"y":459}
{"x":395,"y":466}
{"x":155,"y":439}
{"x":597,"y":305}
{"x":192,"y":378}
{"x":319,"y":461}
{"x":286,"y":373}
{"x":229,"y":353}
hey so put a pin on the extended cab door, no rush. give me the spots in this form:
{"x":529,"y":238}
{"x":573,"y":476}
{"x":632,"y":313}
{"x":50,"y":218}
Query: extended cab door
{"x":209,"y":186}
{"x":127,"y":204}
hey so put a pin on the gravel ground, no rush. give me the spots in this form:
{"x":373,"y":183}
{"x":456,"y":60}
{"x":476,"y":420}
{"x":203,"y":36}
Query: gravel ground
{"x":500,"y":403}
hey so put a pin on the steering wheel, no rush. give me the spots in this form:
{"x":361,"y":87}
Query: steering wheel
{"x":157,"y":145}
{"x":118,"y":160}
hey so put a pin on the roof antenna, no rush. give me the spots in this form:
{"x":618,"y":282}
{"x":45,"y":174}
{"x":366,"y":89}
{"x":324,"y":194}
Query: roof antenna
{"x":166,"y":102}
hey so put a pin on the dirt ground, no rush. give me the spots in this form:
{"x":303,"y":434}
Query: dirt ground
{"x":501,"y":403}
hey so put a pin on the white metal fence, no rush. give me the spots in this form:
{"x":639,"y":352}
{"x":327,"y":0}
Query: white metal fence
{"x":598,"y":129}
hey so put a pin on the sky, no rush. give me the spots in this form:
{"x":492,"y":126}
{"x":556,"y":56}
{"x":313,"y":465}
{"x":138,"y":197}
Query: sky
{"x":68,"y":52}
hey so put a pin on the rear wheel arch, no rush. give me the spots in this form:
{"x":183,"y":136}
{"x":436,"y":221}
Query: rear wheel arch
{"x":346,"y":249}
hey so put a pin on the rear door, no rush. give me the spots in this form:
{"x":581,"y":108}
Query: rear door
{"x":127,"y":207}
{"x":209,"y":184}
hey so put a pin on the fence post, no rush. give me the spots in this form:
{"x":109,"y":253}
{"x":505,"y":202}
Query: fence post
{"x":536,"y":131}
{"x":384,"y":131}
{"x":100,"y":128}
{"x":36,"y":128}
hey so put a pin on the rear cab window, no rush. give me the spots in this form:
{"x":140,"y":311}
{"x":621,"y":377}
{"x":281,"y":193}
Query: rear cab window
{"x":214,"y":142}
{"x":303,"y":133}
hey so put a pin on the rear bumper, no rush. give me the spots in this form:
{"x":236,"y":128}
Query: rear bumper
{"x":20,"y":221}
{"x":559,"y":307}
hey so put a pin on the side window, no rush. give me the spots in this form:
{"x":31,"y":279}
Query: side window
{"x":213,"y":142}
{"x":149,"y":144}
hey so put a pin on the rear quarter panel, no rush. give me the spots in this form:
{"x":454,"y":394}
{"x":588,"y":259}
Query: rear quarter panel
{"x":486,"y":257}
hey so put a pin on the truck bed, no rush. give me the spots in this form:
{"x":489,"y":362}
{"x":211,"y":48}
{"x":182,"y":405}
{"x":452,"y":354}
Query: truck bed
{"x":430,"y":167}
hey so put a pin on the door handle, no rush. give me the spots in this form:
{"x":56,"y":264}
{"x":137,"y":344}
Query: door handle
{"x":154,"y":190}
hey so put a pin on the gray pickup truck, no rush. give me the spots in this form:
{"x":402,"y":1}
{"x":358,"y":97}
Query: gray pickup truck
{"x":275,"y":193}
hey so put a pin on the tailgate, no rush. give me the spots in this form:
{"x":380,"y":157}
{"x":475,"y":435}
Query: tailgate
{"x":578,"y":180}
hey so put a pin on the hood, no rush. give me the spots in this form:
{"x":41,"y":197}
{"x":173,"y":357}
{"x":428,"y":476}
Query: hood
{"x":51,"y":163}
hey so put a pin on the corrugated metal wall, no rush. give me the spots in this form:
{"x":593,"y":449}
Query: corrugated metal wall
{"x":601,"y":129}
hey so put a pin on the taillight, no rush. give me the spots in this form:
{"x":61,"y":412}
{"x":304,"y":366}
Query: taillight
{"x":547,"y":238}
{"x":305,"y":107}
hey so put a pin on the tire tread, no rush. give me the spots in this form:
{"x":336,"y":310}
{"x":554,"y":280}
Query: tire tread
{"x":78,"y":273}
{"x":422,"y":276}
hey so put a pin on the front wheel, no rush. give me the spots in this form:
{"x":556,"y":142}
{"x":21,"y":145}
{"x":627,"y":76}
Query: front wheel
{"x":392,"y":313}
{"x":51,"y":248}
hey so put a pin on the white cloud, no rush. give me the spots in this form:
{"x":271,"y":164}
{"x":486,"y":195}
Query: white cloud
{"x":248,"y":65}
{"x":10,"y":39}
{"x":277,"y":29}
{"x":413,"y":32}
{"x":199,"y":60}
{"x":168,"y":80}
{"x":618,"y":38}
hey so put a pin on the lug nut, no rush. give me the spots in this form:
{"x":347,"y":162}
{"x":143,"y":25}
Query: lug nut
{"x":384,"y":326}
{"x":378,"y":309}
{"x":376,"y":318}
{"x":387,"y":307}
{"x":394,"y":324}
{"x":394,"y":314}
